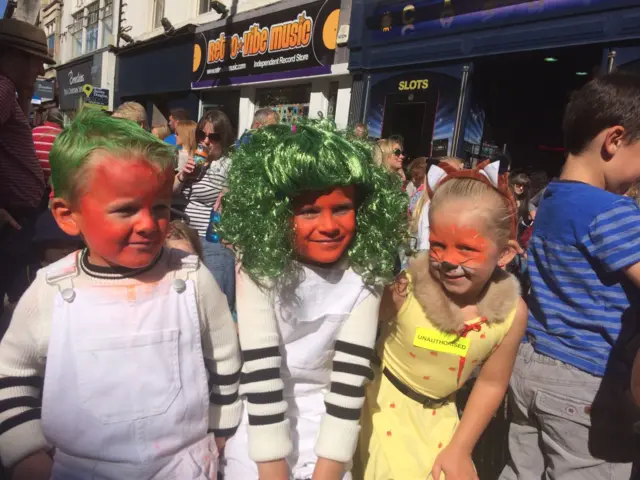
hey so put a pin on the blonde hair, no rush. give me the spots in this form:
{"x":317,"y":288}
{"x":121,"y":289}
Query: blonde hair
{"x":414,"y":222}
{"x":382,"y":150}
{"x":186,"y":130}
{"x":178,"y":230}
{"x":494,"y":206}
{"x":132,"y":111}
{"x":161,"y":131}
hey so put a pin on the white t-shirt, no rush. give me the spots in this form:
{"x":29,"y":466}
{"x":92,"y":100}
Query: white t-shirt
{"x":423,"y":229}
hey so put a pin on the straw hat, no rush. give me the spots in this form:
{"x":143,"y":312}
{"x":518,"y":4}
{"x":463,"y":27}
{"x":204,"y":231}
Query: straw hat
{"x":24,"y":37}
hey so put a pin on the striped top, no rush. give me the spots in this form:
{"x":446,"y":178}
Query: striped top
{"x":23,"y":350}
{"x":203,"y":194}
{"x":300,"y":340}
{"x":43,"y":138}
{"x":21,"y":180}
{"x":583,"y":238}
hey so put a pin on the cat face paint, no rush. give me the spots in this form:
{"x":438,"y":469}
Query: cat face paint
{"x":123,"y":214}
{"x":324,"y":223}
{"x":462,"y":257}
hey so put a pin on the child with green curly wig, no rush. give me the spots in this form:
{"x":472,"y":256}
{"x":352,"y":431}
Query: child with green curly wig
{"x":317,"y":226}
{"x":134,"y":340}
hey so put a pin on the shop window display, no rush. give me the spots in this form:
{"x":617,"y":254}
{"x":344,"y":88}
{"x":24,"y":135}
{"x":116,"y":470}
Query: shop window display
{"x":291,"y":103}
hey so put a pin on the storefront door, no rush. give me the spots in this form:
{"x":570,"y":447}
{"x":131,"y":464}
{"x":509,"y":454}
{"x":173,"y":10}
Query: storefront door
{"x":228,"y":101}
{"x":412,"y":116}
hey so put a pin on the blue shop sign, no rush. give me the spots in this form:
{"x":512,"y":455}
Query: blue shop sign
{"x":394,"y":20}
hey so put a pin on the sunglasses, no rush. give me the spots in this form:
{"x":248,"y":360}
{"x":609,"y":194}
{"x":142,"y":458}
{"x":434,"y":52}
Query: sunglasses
{"x":397,"y":152}
{"x":213,"y":137}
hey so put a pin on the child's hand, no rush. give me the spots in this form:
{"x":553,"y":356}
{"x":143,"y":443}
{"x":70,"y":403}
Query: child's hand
{"x":36,"y":466}
{"x":455,"y":464}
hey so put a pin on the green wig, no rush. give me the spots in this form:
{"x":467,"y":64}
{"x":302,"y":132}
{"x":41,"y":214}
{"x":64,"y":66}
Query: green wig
{"x":281,"y":161}
{"x":94,"y":131}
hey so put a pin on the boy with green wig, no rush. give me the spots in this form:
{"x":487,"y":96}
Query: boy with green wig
{"x":121,"y":359}
{"x":317,"y":226}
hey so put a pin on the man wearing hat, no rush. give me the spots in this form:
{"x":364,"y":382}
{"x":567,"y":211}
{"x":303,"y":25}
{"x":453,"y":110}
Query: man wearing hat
{"x":23,"y":51}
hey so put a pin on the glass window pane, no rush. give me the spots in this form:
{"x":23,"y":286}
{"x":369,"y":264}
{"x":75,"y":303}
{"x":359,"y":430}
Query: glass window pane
{"x":291,"y":103}
{"x":107,"y":23}
{"x":158,"y":13}
{"x":76,"y":34}
{"x":204,"y":6}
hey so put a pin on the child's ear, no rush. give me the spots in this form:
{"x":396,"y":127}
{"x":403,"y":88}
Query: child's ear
{"x":613,"y":140}
{"x":508,"y":253}
{"x":65,"y":218}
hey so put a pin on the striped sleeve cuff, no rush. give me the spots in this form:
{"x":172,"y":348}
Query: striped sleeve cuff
{"x":21,"y":440}
{"x":261,"y":384}
{"x":270,"y":442}
{"x":339,"y":429}
{"x":224,"y":419}
{"x":225,"y":408}
{"x":337,"y":447}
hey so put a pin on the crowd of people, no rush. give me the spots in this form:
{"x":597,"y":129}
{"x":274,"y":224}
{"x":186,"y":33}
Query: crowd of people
{"x":299,"y":304}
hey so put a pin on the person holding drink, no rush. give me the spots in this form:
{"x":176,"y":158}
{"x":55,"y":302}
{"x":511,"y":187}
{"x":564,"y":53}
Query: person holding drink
{"x":203,"y":180}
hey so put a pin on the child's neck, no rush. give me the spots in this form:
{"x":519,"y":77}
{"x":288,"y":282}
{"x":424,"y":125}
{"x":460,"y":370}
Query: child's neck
{"x":585,"y":169}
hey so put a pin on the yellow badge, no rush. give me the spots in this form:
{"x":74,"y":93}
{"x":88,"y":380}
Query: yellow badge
{"x":438,"y":341}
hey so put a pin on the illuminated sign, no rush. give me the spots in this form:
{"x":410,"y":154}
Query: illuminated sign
{"x":413,"y":85}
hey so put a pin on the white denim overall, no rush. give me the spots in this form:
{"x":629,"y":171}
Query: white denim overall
{"x":310,"y":316}
{"x":125,"y":392}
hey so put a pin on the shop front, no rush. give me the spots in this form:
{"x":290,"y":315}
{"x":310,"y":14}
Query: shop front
{"x":278,"y":57}
{"x":468,"y":78}
{"x":84,"y":82}
{"x":157,"y":74}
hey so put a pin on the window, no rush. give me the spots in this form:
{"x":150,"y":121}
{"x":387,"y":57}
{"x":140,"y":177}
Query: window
{"x":92,"y":26}
{"x":205,"y":6}
{"x":107,"y":23}
{"x":50,"y":30}
{"x":291,"y":103}
{"x":51,"y":45}
{"x":76,"y":33}
{"x":158,"y":13}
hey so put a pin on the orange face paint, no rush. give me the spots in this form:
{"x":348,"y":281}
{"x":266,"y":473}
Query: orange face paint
{"x":123,"y":214}
{"x":324,"y":223}
{"x":457,"y":245}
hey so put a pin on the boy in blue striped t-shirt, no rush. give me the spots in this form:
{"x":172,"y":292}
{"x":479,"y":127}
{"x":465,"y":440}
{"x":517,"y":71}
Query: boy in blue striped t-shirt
{"x":569,"y":389}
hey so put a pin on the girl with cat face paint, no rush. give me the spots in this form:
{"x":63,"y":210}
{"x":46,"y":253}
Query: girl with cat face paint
{"x":454,"y":310}
{"x":316,"y":225}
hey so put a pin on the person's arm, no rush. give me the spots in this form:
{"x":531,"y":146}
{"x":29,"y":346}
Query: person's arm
{"x":613,"y":239}
{"x":635,"y":379}
{"x":7,"y":99}
{"x":486,"y":396}
{"x":183,"y":175}
{"x":340,"y":427}
{"x":221,"y":357}
{"x":22,"y":361}
{"x":261,"y":384}
{"x":633,"y":272}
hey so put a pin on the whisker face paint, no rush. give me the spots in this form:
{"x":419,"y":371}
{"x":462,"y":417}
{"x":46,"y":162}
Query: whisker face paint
{"x":462,"y":256}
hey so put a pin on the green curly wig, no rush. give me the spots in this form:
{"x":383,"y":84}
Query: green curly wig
{"x":279,"y":162}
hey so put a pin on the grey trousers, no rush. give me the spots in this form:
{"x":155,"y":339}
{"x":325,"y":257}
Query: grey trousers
{"x":567,"y":424}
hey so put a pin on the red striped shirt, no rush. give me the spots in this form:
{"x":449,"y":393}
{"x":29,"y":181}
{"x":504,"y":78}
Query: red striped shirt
{"x":21,"y":179}
{"x":43,"y":138}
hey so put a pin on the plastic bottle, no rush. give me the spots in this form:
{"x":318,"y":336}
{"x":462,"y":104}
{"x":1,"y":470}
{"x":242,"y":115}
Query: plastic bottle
{"x":201,"y":154}
{"x":212,"y":231}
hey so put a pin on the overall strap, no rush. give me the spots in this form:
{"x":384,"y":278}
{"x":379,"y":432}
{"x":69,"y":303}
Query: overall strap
{"x":62,"y":273}
{"x":184,"y":266}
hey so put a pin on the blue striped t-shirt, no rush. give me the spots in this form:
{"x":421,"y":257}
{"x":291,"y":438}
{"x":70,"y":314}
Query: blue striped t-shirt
{"x":582,"y":239}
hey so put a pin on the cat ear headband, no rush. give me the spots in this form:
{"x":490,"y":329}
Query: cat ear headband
{"x":494,"y":174}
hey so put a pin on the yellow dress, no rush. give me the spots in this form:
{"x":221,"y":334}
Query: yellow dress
{"x":400,"y":438}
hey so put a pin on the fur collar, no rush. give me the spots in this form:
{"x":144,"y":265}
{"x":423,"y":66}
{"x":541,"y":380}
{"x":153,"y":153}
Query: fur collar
{"x":497,"y":302}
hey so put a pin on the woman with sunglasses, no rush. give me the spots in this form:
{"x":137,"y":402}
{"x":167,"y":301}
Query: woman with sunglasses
{"x":203,"y":184}
{"x":390,"y":154}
